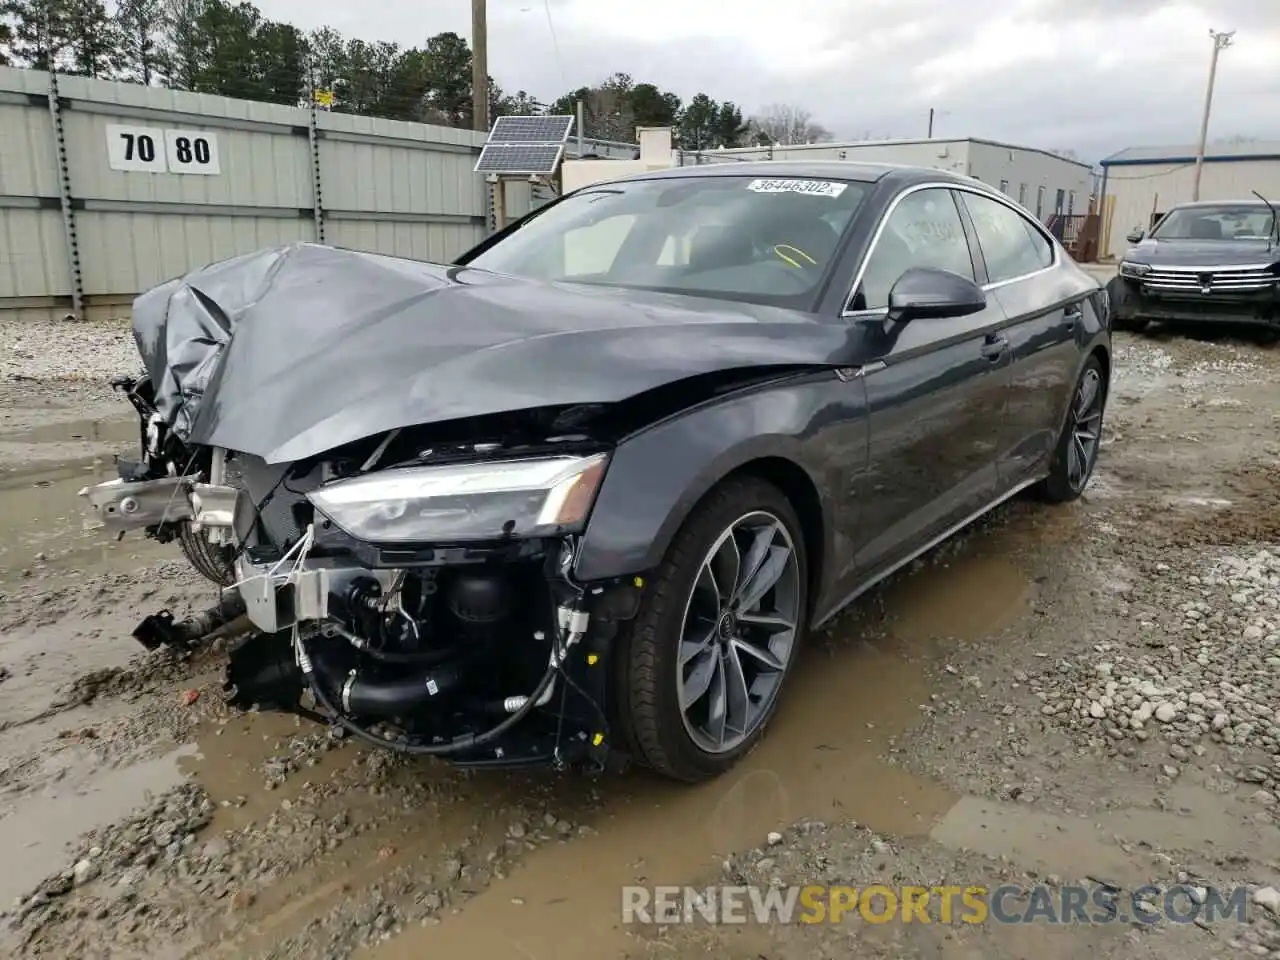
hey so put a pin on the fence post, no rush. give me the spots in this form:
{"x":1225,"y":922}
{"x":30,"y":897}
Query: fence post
{"x":64,"y":196}
{"x":313,"y":144}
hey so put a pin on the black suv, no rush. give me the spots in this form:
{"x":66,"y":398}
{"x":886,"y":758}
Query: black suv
{"x":1206,"y":261}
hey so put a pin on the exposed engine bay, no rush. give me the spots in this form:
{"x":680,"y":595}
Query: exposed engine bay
{"x":390,"y":601}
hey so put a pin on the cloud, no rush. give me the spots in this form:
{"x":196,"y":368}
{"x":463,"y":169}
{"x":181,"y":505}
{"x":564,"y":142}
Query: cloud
{"x":1090,"y":75}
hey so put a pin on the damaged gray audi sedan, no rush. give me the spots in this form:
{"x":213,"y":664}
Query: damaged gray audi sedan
{"x":579,"y":495}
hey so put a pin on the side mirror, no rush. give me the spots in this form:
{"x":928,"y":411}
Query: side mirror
{"x":923,"y":293}
{"x":1135,"y":237}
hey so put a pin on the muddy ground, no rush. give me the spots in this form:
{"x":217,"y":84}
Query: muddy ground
{"x":1064,"y":695}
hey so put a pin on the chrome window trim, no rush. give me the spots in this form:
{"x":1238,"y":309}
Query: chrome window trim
{"x":1219,"y":268}
{"x":1054,"y":248}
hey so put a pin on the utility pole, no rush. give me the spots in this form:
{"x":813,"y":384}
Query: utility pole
{"x":1221,"y":40}
{"x":479,"y":65}
{"x":931,"y":123}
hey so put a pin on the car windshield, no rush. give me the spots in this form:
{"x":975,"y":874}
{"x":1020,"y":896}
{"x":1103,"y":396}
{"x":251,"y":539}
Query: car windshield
{"x":1225,"y":222}
{"x":762,"y":240}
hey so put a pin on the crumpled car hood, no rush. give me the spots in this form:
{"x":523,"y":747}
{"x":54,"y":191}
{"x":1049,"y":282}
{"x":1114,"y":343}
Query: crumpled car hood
{"x":295,"y":350}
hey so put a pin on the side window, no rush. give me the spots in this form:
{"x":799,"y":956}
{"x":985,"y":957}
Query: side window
{"x":1011,"y":246}
{"x":924,"y":230}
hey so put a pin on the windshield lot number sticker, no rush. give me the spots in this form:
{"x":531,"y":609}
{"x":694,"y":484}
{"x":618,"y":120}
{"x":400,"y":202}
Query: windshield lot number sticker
{"x":816,"y":188}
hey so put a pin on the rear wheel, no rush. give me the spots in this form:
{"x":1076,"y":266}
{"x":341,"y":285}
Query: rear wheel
{"x":702,"y":664}
{"x":1077,"y":450}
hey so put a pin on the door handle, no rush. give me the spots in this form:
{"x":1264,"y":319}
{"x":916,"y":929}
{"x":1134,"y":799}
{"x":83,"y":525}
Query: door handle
{"x":1073,"y":314}
{"x":994,"y":346}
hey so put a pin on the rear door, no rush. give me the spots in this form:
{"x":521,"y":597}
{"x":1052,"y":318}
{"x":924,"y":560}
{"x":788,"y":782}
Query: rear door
{"x":936,"y":394}
{"x":1043,"y":303}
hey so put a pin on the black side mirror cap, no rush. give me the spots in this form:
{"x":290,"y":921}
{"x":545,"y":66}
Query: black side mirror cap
{"x":924,"y":293}
{"x":1135,"y":237}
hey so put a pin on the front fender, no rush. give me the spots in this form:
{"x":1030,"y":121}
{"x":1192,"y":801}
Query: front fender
{"x":657,"y":476}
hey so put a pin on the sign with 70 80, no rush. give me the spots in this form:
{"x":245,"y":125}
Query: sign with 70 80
{"x":157,"y":150}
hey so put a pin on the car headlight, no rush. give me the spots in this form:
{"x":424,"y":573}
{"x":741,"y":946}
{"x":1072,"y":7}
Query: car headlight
{"x":465,"y":501}
{"x":1129,"y":268}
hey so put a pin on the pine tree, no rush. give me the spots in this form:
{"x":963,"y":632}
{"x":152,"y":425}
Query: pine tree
{"x":139,"y":31}
{"x":40,"y":31}
{"x":92,"y":44}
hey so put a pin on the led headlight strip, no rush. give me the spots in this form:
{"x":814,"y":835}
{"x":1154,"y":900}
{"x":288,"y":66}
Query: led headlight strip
{"x":465,"y":501}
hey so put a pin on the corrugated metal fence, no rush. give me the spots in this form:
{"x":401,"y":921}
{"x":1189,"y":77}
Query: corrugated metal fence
{"x":109,"y":188}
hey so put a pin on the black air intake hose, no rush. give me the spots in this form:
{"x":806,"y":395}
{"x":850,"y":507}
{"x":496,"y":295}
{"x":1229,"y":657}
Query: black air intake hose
{"x":400,"y":697}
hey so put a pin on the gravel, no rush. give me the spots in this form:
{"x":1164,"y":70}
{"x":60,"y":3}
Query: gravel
{"x":66,"y":350}
{"x":1207,"y":666}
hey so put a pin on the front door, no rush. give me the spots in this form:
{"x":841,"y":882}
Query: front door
{"x":1042,"y":331}
{"x":936,"y":403}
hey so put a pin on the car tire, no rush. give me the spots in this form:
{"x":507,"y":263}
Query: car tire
{"x":657,"y":676}
{"x":1068,"y":473}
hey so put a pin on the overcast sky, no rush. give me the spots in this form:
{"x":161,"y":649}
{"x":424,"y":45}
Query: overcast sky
{"x":1090,"y":75}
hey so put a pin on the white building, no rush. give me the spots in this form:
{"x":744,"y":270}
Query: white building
{"x":1043,"y":182}
{"x":1141,"y":183}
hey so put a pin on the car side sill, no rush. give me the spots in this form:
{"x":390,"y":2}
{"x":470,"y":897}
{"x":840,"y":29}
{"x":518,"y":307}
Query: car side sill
{"x":945,"y":535}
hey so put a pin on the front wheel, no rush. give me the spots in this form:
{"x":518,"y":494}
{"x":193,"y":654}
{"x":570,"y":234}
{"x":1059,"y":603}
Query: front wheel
{"x":1077,"y":450}
{"x":702,"y":664}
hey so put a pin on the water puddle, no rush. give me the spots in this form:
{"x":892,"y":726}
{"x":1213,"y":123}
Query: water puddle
{"x":113,"y":430}
{"x":821,"y":759}
{"x":37,"y":831}
{"x":43,"y":524}
{"x":1095,"y":846}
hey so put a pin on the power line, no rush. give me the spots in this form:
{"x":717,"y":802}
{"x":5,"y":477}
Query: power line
{"x":555,"y":42}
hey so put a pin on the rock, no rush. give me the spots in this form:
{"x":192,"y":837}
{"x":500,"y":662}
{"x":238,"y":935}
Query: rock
{"x":452,"y":869}
{"x":1178,"y":752}
{"x":1097,"y":710}
{"x":1268,"y":898}
{"x":516,"y":831}
{"x":774,"y":838}
{"x":84,"y":871}
{"x":1264,"y":797}
{"x":1166,"y":712}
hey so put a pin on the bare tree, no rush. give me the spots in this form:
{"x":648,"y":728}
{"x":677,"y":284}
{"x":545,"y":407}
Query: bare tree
{"x":785,"y":123}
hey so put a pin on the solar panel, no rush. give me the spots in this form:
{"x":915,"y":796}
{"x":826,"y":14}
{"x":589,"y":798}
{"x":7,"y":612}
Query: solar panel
{"x":519,"y":158}
{"x":551,"y":129}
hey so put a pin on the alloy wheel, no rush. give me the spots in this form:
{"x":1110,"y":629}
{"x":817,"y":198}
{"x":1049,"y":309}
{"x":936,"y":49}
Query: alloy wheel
{"x":740,"y":624}
{"x":1086,"y":429}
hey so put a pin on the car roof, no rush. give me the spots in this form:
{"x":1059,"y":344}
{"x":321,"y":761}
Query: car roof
{"x":827,"y":169}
